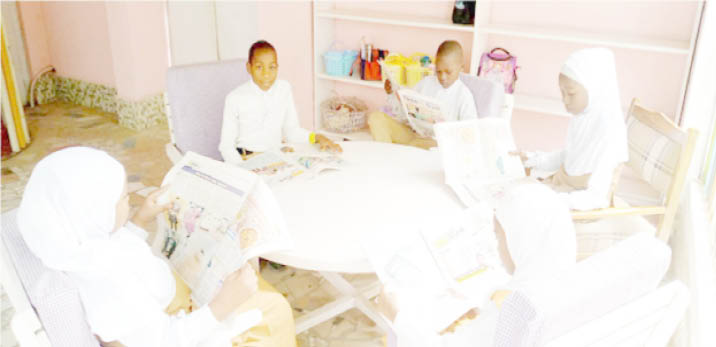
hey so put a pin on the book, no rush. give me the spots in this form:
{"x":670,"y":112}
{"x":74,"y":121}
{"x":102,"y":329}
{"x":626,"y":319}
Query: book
{"x":221,"y":217}
{"x":447,"y":265}
{"x":476,"y":157}
{"x":275,"y":167}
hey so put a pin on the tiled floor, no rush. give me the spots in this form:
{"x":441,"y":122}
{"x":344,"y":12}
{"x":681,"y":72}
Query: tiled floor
{"x":53,"y":126}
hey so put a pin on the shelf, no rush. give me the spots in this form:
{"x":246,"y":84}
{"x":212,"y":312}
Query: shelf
{"x":541,"y":105}
{"x":394,"y":19}
{"x":621,"y":41}
{"x":361,"y":135}
{"x":351,"y":80}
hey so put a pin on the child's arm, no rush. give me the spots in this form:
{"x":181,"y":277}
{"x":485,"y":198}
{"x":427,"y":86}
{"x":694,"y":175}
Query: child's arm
{"x":229,"y":132}
{"x":293,"y":133}
{"x":597,"y":193}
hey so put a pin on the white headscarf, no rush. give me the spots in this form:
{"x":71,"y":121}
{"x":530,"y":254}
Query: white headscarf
{"x":66,"y":217}
{"x":596,"y":136}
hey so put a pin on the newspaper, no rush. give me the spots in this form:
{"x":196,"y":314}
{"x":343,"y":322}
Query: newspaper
{"x":450,"y":265}
{"x":276,"y":167}
{"x":476,"y":157}
{"x":221,"y":217}
{"x":421,"y":112}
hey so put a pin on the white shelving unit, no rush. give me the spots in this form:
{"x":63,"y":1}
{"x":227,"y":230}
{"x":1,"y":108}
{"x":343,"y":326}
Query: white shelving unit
{"x":327,"y":20}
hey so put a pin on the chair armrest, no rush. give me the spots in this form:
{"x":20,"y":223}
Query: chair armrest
{"x":618,"y":211}
{"x":173,"y":153}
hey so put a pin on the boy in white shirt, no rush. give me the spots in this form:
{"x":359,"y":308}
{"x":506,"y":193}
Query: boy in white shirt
{"x":457,"y":100}
{"x":260,"y":114}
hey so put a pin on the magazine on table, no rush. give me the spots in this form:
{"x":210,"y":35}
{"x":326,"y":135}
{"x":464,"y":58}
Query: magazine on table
{"x":450,"y":265}
{"x":221,"y":217}
{"x":476,"y":156}
{"x":276,"y":167}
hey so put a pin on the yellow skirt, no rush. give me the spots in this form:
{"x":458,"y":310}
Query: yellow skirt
{"x":276,"y":328}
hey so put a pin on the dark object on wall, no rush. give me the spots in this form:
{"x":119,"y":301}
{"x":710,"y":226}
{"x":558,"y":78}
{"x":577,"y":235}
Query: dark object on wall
{"x":463,"y":12}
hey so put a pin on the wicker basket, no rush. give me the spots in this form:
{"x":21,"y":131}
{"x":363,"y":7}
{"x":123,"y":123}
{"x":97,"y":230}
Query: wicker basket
{"x":343,"y":114}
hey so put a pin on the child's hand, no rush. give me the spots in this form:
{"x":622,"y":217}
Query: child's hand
{"x":151,"y":208}
{"x":327,"y":145}
{"x":388,"y":87}
{"x":287,"y":149}
{"x":238,"y":287}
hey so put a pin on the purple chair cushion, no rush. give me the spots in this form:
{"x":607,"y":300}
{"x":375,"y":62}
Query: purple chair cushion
{"x":489,"y":95}
{"x":196,"y":95}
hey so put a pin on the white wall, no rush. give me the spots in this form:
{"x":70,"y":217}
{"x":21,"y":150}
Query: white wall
{"x":211,"y":30}
{"x":192,"y":32}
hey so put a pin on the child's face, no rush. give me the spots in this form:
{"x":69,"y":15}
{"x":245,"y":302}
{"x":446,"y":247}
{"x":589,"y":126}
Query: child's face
{"x":447,"y":69}
{"x":121,"y":214}
{"x":574,"y":96}
{"x":263,"y":68}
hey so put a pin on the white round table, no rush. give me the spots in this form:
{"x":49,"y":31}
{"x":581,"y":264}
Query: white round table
{"x":381,"y":187}
{"x":384,"y":187}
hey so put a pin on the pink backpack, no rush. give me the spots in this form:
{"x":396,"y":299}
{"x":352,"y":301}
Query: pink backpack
{"x":500,"y":67}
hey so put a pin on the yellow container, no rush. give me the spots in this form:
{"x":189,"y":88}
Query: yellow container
{"x":395,"y":65}
{"x":414,"y":71}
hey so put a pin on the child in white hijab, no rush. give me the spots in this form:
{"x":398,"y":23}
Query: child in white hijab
{"x":596,"y":137}
{"x":73,"y":216}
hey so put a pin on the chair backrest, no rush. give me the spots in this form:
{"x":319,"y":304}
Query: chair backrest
{"x":52,"y":294}
{"x":660,"y":153}
{"x":489,"y":95}
{"x":196,"y":95}
{"x":598,"y":286}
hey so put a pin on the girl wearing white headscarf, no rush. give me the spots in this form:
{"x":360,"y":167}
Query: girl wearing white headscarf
{"x":537,"y":240}
{"x":596,"y":136}
{"x":73,"y":216}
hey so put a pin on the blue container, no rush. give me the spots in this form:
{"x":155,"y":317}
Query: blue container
{"x":348,"y":58}
{"x":334,"y":63}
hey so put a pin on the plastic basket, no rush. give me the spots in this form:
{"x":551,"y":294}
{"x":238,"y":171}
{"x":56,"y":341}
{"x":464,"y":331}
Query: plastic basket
{"x":343,"y":114}
{"x":339,"y":62}
{"x":334,"y":63}
{"x":415,"y":71}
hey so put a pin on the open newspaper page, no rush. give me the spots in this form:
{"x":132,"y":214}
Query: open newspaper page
{"x":476,"y":154}
{"x":317,"y":162}
{"x":421,"y":111}
{"x":444,"y":268}
{"x":221,"y":217}
{"x":273,"y":167}
{"x":276,"y":167}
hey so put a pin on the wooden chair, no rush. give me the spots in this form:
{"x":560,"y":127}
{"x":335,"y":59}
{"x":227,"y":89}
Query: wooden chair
{"x":659,"y":157}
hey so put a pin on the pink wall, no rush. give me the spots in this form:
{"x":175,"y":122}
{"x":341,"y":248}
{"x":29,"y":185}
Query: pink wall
{"x":78,"y":40}
{"x":33,"y":25}
{"x":289,"y":27}
{"x":117,"y":44}
{"x":139,"y":47}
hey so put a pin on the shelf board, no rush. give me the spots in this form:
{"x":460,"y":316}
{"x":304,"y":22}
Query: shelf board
{"x":621,"y":41}
{"x":541,"y":105}
{"x":351,"y":80}
{"x":394,"y":19}
{"x":361,"y":135}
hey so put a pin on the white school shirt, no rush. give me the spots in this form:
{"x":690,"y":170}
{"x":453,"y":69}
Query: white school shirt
{"x":258,"y":120}
{"x":456,"y":101}
{"x":600,"y":182}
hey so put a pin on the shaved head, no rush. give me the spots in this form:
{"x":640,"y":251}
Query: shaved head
{"x":449,"y":49}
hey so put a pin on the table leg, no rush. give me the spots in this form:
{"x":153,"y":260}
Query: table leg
{"x":350,"y":297}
